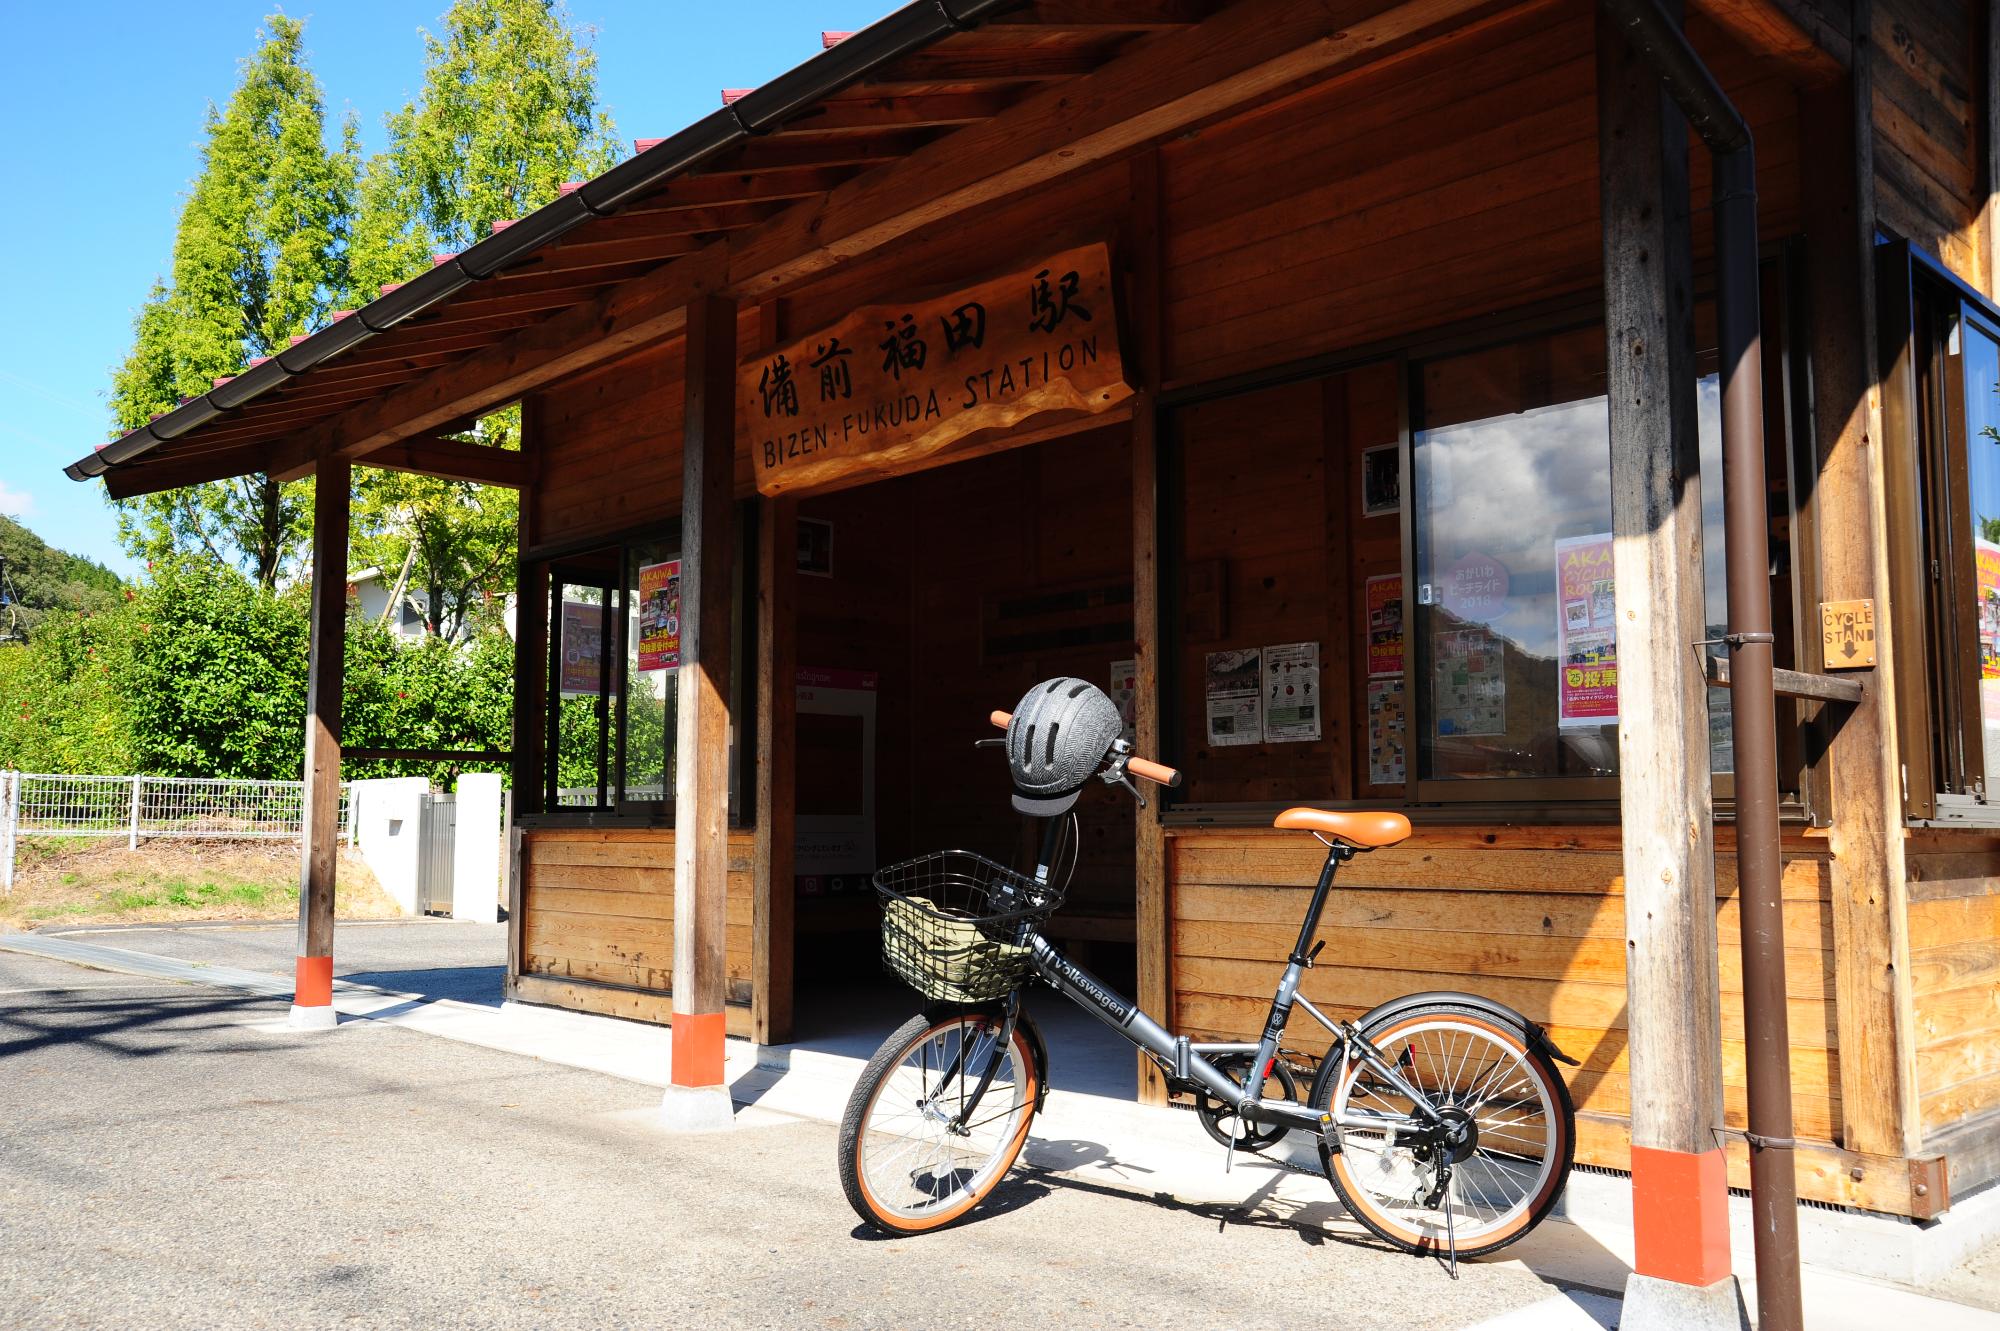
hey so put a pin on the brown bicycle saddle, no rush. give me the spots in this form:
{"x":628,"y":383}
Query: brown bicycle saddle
{"x":1366,"y":830}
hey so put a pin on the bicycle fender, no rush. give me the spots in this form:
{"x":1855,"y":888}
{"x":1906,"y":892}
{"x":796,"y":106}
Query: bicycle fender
{"x":1037,"y":1046}
{"x":1532,"y":1033}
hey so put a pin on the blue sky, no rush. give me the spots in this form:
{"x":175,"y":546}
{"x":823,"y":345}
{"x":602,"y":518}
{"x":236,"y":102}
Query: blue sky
{"x":104,"y":104}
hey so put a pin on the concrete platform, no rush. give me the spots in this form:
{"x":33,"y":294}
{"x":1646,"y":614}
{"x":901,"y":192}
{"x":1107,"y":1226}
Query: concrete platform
{"x":1863,"y":1271}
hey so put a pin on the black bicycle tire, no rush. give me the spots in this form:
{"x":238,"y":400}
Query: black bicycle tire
{"x":853,"y":1121}
{"x":1544,"y":1067}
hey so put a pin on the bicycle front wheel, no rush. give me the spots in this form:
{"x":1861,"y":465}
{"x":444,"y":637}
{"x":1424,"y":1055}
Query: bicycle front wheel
{"x":1507,"y":1171}
{"x":911,"y":1158}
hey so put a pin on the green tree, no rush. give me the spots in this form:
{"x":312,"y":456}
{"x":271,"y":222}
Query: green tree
{"x":45,"y":579}
{"x":508,"y":113}
{"x":259,"y":256}
{"x":456,"y":539}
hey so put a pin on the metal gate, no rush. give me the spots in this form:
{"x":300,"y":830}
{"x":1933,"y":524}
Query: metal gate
{"x":437,"y":823}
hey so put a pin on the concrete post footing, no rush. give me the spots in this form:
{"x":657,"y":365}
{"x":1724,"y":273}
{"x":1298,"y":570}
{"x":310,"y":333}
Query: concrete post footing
{"x":697,"y":1109}
{"x":1652,"y":1304}
{"x":312,"y":1018}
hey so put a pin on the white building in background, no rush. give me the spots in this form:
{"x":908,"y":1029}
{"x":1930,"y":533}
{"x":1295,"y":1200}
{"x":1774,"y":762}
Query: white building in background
{"x":371,"y":588}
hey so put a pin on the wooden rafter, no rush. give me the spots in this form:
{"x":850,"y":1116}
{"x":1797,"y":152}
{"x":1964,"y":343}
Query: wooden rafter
{"x":873,"y":112}
{"x":711,"y":189}
{"x":1119,"y":15}
{"x":453,"y":460}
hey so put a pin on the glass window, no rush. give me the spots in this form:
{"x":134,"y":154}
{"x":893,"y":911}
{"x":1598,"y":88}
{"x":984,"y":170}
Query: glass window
{"x":652,"y":660}
{"x":1515,"y":606}
{"x":1980,"y":368}
{"x":1515,"y":617}
{"x":613,"y":659}
{"x":580,"y":621}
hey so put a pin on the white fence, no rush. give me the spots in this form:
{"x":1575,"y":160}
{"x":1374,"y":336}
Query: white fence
{"x":142,"y":807}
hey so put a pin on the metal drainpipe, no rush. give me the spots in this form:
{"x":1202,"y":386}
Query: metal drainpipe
{"x":1753,"y":720}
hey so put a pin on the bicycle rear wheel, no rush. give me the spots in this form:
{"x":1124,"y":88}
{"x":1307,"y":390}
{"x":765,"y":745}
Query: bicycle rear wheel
{"x":1505,"y":1178}
{"x":904,"y":1166}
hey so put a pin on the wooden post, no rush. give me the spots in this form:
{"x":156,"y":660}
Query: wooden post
{"x":531,"y":626}
{"x":1153,"y":931}
{"x":1874,"y":1009}
{"x":777,"y":725}
{"x":319,"y":851}
{"x":701,"y":754}
{"x":1679,"y":1187}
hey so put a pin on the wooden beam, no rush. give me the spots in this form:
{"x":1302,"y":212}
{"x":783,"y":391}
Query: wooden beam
{"x":1151,"y":906}
{"x":1874,"y":1007}
{"x":1792,"y":33}
{"x":1113,"y":15}
{"x":644,"y":310}
{"x":701,"y":755}
{"x":454,"y":460}
{"x":723,"y":188}
{"x":319,"y":848}
{"x":1158,"y":87}
{"x":796,"y":151}
{"x":897,"y":112}
{"x":1674,"y":1011}
{"x":1793,"y":683}
{"x":771,"y":945}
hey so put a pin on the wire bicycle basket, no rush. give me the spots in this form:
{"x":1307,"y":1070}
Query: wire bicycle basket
{"x":953,"y":924}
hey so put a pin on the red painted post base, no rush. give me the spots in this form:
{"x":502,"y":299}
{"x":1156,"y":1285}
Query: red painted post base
{"x":695,"y":1098}
{"x":313,"y":982}
{"x":1680,"y":1279}
{"x":1680,"y":1215}
{"x":312,"y":995}
{"x":697,"y":1049}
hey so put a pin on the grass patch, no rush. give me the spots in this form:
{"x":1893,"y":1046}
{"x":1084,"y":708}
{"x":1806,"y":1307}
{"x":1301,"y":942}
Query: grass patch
{"x":100,"y":881}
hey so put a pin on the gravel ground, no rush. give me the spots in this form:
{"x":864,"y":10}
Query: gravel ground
{"x":172,"y":1157}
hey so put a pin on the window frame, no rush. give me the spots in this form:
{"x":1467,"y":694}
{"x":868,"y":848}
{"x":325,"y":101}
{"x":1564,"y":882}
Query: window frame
{"x":547,"y":568}
{"x":1940,"y":737}
{"x":1519,"y":800}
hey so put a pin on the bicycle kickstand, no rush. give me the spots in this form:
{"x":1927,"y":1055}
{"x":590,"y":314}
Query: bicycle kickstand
{"x":1450,"y":1234}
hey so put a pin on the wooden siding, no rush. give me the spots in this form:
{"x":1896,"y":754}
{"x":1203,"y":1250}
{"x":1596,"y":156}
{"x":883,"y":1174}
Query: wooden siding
{"x":1418,"y":194}
{"x":1532,"y":917}
{"x":1954,"y":923}
{"x":598,"y":908}
{"x":1925,"y":82}
{"x":610,"y":448}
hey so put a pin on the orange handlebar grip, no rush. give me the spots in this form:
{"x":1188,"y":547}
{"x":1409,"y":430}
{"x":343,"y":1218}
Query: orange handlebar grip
{"x":1152,"y":771}
{"x":1002,"y":719}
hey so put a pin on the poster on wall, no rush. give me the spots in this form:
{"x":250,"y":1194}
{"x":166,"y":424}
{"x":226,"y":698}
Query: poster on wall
{"x":1291,"y":692}
{"x":815,"y":554}
{"x":1385,"y":732}
{"x":1586,"y":632}
{"x":1471,"y":675}
{"x":1232,"y":679}
{"x":1382,"y":480}
{"x":582,"y":649}
{"x":1124,"y":694}
{"x":660,"y":615}
{"x":1986,"y":559}
{"x":1384,"y":598}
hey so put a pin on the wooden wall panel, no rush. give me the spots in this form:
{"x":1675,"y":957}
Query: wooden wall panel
{"x":1926,"y":93}
{"x":1954,"y":922}
{"x":1532,"y":917}
{"x":611,"y":448}
{"x":1424,"y":193}
{"x":598,"y":907}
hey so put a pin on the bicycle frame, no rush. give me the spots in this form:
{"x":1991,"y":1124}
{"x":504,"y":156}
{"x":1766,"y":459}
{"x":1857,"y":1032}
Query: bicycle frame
{"x":1191,"y":1064}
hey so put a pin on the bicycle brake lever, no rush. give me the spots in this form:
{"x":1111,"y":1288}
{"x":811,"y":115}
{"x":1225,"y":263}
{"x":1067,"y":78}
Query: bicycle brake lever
{"x":1126,"y":782}
{"x":997,"y":742}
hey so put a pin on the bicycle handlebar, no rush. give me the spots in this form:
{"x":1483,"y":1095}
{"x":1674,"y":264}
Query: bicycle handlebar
{"x":1158,"y":773}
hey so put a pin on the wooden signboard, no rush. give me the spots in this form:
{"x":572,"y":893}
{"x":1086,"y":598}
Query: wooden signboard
{"x":1847,"y":632}
{"x":892,"y":383}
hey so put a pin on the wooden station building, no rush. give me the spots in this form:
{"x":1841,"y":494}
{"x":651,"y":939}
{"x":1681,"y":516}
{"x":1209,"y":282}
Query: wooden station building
{"x":1251,"y":360}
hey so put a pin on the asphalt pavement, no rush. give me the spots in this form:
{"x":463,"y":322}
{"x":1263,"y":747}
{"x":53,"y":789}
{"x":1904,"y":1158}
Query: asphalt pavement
{"x":433,"y":957}
{"x":173,"y":1156}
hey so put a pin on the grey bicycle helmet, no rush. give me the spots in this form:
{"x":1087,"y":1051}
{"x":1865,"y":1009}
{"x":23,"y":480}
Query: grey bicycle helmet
{"x":1058,"y":738}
